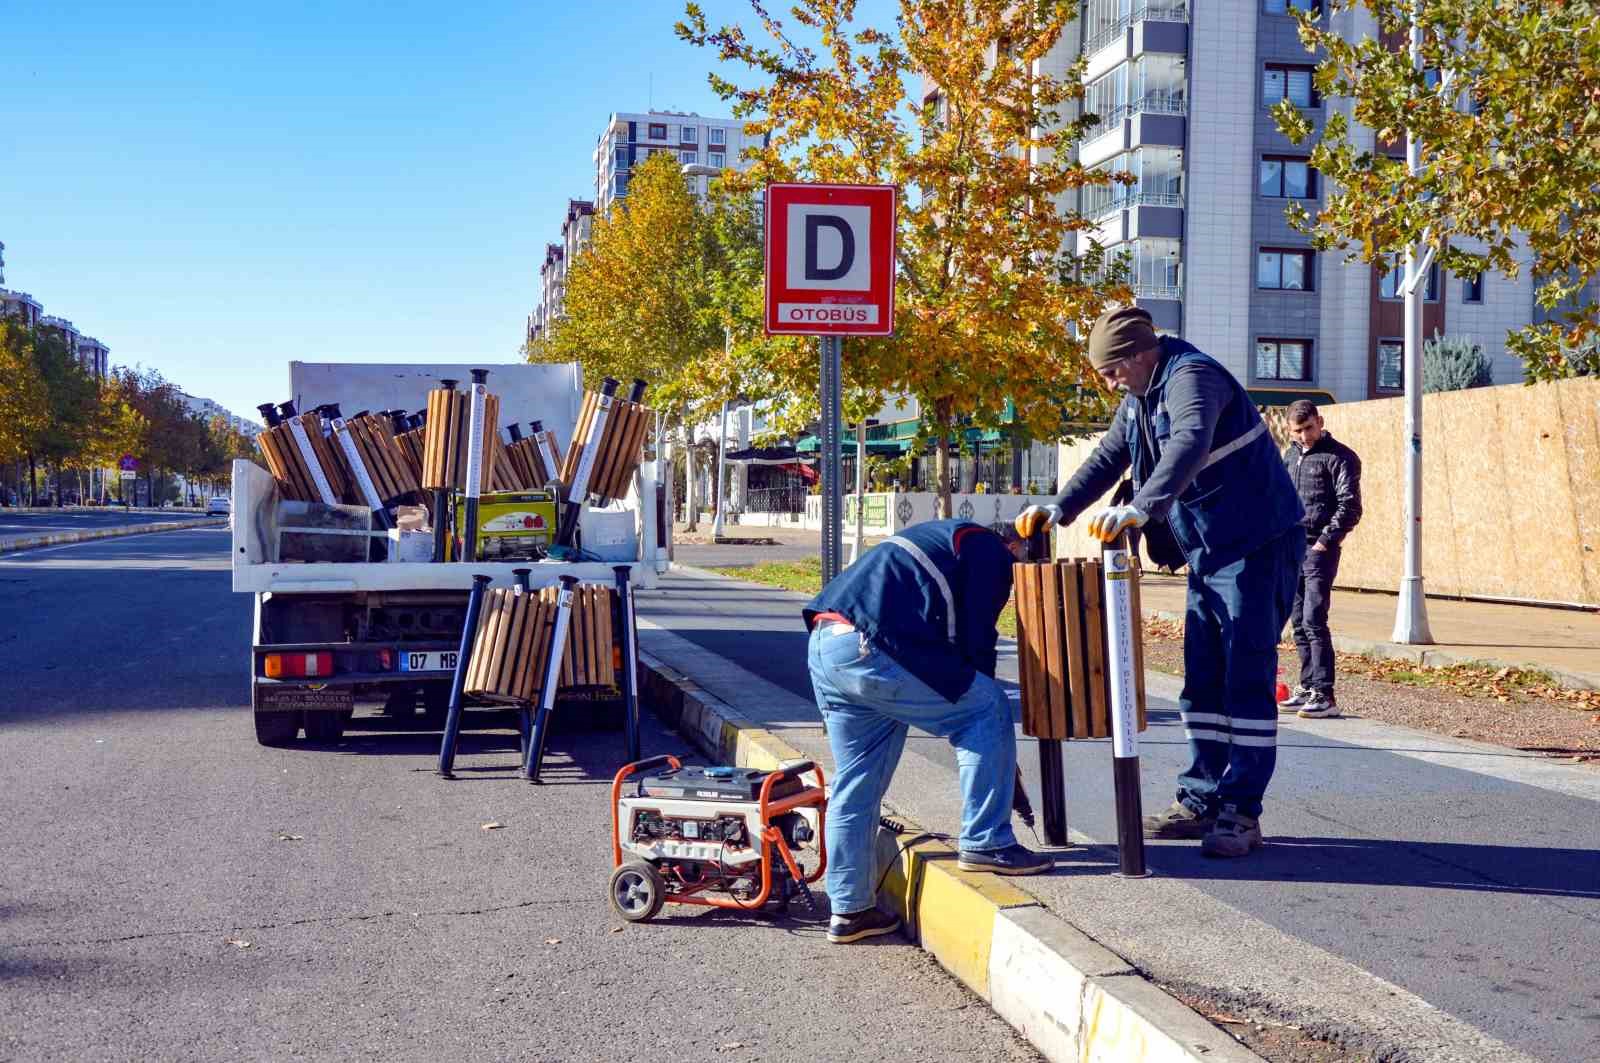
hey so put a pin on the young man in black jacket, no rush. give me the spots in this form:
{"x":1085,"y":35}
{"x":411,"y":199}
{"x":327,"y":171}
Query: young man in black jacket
{"x":1327,"y":475}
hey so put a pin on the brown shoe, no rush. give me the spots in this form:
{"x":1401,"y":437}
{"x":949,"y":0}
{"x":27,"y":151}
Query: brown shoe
{"x":1233,"y":835}
{"x":1180,"y":821}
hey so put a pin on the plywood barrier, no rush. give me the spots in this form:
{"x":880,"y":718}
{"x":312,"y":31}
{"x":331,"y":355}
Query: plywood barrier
{"x":512,"y":646}
{"x":1511,"y":492}
{"x":1061,"y":649}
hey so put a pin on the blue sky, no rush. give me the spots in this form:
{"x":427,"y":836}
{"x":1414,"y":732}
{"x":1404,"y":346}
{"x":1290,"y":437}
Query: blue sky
{"x":213,"y":189}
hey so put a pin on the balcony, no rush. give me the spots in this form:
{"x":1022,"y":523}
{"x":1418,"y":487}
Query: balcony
{"x":1159,"y":12}
{"x":1157,"y":291}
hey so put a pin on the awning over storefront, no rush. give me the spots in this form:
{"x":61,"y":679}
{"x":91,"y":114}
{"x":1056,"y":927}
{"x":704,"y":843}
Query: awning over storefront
{"x":766,"y":456}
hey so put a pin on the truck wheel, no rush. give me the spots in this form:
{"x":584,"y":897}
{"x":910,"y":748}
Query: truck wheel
{"x":277,"y":728}
{"x":401,"y":704}
{"x":324,"y":726}
{"x":637,"y":891}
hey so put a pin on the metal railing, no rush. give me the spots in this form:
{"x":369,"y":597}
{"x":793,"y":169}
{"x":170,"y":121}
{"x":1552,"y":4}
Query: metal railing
{"x":1149,"y":103}
{"x":786,"y":499}
{"x":1166,"y":12}
{"x":1157,"y":291}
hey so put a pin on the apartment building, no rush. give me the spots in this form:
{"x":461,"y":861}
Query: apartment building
{"x":90,"y":352}
{"x":1183,"y":96}
{"x":705,"y":145}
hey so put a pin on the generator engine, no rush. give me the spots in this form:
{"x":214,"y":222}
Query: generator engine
{"x":720,"y":836}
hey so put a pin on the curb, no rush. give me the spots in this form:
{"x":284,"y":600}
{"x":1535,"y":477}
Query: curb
{"x":33,"y":542}
{"x":1072,"y":998}
{"x":1428,"y":658}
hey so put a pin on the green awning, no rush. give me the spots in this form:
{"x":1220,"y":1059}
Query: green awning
{"x":1284,"y":396}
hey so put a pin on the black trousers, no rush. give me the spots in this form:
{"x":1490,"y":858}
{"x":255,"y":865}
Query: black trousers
{"x":1309,"y":618}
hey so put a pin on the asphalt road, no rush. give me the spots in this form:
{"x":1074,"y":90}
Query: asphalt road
{"x":19,"y":525}
{"x":171,"y":890}
{"x":1461,"y":878}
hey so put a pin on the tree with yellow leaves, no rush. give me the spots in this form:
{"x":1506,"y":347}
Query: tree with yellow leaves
{"x":992,"y":296}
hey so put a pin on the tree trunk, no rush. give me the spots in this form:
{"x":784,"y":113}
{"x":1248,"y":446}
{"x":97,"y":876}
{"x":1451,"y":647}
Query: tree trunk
{"x":33,"y":481}
{"x":691,"y":502}
{"x":941,"y":462}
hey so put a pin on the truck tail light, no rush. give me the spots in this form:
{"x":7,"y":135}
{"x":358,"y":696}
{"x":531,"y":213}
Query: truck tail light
{"x":297,"y":665}
{"x":386,"y":660}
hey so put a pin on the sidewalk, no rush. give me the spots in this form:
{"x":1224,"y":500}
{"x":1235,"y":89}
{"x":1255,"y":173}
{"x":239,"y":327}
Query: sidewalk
{"x":1420,"y":897}
{"x":1563,"y":642}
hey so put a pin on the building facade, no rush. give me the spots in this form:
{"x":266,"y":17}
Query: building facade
{"x":89,"y":352}
{"x":709,"y":145}
{"x":1183,"y":97}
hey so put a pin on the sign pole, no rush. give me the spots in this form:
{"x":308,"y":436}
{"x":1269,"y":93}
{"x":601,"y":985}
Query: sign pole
{"x":832,"y":473}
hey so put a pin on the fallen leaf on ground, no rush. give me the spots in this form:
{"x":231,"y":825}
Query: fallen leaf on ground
{"x":493,"y":825}
{"x":728,"y":1046}
{"x":1219,"y":1017}
{"x":237,"y":943}
{"x":284,"y":836}
{"x":616,"y":930}
{"x":552,"y":941}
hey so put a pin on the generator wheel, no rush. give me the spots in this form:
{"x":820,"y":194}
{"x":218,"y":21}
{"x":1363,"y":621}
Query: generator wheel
{"x":637,"y":891}
{"x":277,"y":728}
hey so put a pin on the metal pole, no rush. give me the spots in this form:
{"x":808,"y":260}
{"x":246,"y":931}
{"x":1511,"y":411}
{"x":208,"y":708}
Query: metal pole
{"x":478,"y":398}
{"x":630,"y":659}
{"x":552,"y":680}
{"x":1052,"y":767}
{"x":1411,"y":611}
{"x":1117,"y":566}
{"x":452,"y":719}
{"x":722,"y":471}
{"x":861,"y":491}
{"x":832,"y":489}
{"x":524,"y":712}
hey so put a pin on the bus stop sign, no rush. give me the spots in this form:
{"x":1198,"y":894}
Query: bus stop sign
{"x":830,"y":260}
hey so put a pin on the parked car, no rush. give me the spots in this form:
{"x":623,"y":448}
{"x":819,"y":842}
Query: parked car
{"x":219,"y":506}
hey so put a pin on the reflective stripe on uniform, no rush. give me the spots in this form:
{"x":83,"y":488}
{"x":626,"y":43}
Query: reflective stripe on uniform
{"x":1238,"y":444}
{"x":938,"y":578}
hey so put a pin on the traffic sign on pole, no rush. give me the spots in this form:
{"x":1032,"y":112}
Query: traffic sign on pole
{"x":830,"y":267}
{"x":129,"y":463}
{"x":830,"y":260}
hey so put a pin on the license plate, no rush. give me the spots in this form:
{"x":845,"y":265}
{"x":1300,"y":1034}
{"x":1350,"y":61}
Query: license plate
{"x":430,"y":661}
{"x":285,"y":698}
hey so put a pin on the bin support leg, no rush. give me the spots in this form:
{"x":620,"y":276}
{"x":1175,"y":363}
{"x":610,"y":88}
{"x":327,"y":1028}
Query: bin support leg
{"x":1120,"y":662}
{"x":1053,"y":792}
{"x":552,"y":679}
{"x":452,"y":720}
{"x":630,"y":663}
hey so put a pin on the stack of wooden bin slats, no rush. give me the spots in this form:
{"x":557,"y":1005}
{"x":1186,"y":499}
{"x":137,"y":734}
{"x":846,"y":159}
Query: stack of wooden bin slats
{"x":296,"y":479}
{"x":383,"y":456}
{"x":525,"y":458}
{"x":512,"y":646}
{"x":618,"y":450}
{"x":1061,"y":649}
{"x":444,"y":458}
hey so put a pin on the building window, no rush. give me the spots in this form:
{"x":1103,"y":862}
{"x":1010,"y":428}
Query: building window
{"x":717,"y":159}
{"x":1389,"y":286}
{"x":1286,"y":177}
{"x":1281,"y":81}
{"x":1391,"y":365}
{"x":1472,"y":288}
{"x":691,"y":135}
{"x":718,"y":136}
{"x":1283,"y":269}
{"x":657,"y":131}
{"x":619,"y":184}
{"x":1283,"y":360}
{"x":688,"y":157}
{"x":622,"y":158}
{"x":1283,"y":7}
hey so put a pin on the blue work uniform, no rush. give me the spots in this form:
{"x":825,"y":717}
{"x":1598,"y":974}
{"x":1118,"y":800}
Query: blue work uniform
{"x":905,"y":637}
{"x":1203,"y":463}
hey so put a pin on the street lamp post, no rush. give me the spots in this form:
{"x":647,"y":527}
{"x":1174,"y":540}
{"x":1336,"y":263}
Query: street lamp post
{"x":1411,"y":612}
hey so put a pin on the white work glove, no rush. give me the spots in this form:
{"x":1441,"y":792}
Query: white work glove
{"x":1112,"y":521}
{"x":1035,"y":519}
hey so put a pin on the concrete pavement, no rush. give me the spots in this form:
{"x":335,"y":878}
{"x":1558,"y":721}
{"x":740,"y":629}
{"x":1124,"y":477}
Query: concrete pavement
{"x":171,"y":890}
{"x":1421,"y":897}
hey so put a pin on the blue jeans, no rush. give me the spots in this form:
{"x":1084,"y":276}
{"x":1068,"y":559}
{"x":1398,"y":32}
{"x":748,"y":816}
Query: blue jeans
{"x":1230,"y":665}
{"x":868,"y":703}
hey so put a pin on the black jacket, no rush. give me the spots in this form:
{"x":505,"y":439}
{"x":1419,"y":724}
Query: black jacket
{"x":1327,"y":476}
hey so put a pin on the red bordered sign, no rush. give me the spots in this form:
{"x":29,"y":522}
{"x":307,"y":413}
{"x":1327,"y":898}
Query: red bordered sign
{"x":830,"y":259}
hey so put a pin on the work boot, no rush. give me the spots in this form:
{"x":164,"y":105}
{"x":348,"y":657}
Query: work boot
{"x":843,"y":929}
{"x":1320,"y":706}
{"x":1232,"y":835}
{"x":1178,"y":820}
{"x":1012,"y":860}
{"x":1297,"y":697}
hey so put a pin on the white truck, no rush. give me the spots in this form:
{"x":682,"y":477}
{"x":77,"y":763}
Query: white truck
{"x":328,"y":634}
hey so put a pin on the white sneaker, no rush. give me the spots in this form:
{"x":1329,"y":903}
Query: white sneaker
{"x":1297,"y":697}
{"x":1319,"y":707}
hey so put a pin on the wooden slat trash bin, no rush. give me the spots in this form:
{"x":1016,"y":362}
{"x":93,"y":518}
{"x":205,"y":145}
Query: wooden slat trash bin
{"x":301,"y":458}
{"x":513,"y":643}
{"x":1061,"y":649}
{"x":605,"y":451}
{"x":1076,"y":666}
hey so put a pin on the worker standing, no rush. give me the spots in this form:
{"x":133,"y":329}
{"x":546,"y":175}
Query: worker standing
{"x":905,"y":637}
{"x":1211,"y":484}
{"x":1327,"y":476}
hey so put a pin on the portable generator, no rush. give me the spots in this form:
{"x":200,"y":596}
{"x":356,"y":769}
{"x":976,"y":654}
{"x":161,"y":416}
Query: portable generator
{"x":717,"y":836}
